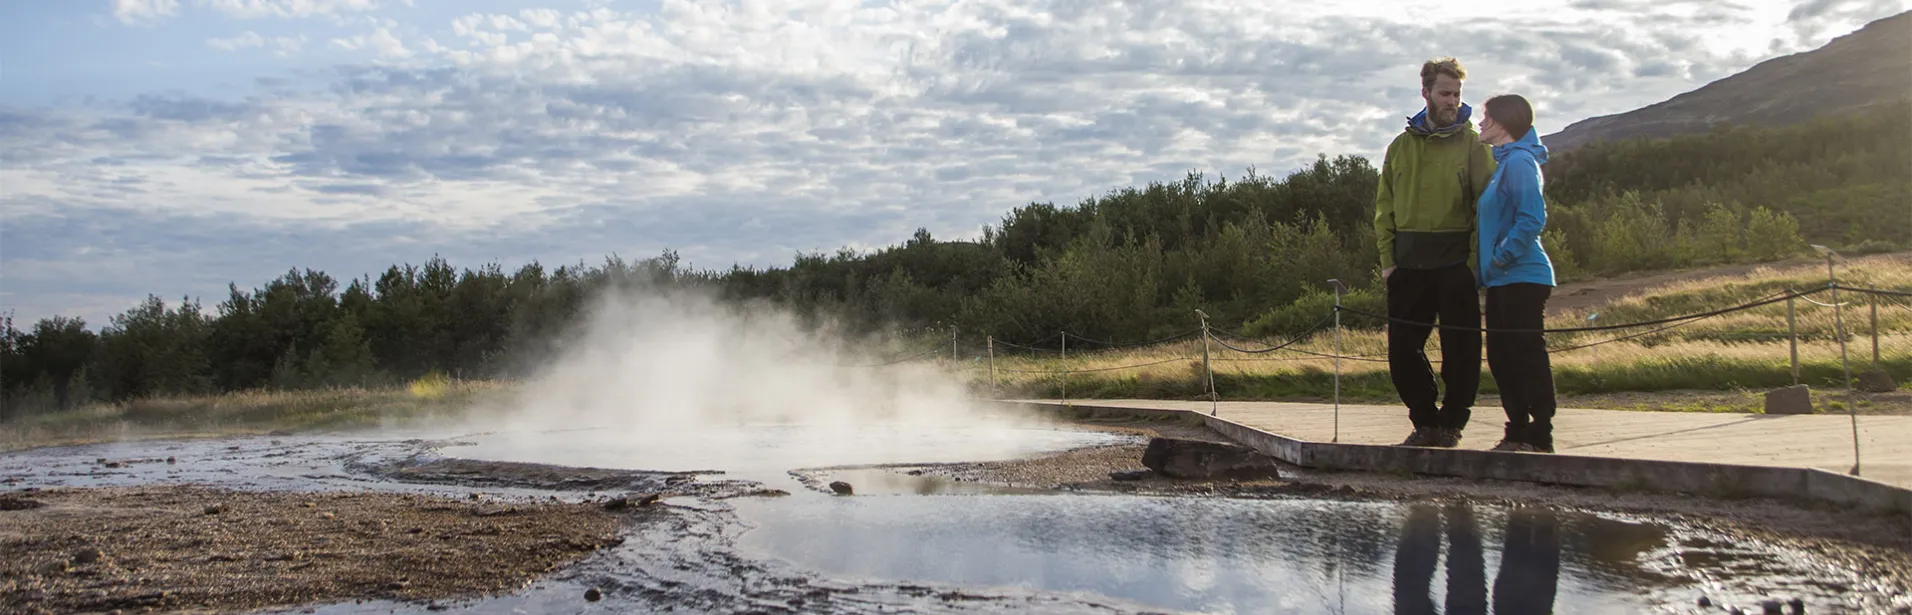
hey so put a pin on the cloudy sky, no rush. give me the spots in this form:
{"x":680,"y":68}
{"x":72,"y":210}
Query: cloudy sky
{"x":173,"y":146}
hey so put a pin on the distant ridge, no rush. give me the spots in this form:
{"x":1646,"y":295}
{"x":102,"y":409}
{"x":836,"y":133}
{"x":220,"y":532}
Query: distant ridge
{"x":1858,"y":71}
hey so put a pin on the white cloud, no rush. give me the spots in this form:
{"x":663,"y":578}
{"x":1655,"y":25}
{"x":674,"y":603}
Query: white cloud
{"x":143,"y":11}
{"x":381,"y":40}
{"x":282,"y":45}
{"x":146,"y":11}
{"x":746,"y":131}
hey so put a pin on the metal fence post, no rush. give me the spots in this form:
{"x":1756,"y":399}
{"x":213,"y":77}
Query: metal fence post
{"x":1214,"y":401}
{"x":952,"y":346}
{"x":1065,"y":368}
{"x":1874,"y":302}
{"x":990,"y":344}
{"x":1792,"y":334}
{"x":1338,"y":288}
{"x":1845,"y":368}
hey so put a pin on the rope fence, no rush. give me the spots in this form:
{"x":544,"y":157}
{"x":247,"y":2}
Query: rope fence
{"x":1867,"y":328}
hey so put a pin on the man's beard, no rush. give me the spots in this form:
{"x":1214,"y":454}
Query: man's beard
{"x":1443,"y":117}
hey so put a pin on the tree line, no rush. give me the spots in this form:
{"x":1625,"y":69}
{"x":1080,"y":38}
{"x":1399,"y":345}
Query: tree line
{"x":1130,"y":265}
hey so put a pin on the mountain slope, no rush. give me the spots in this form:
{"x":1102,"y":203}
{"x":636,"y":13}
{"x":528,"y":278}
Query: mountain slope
{"x":1858,"y":71}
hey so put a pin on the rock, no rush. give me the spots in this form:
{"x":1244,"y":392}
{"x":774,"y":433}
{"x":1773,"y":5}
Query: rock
{"x":630,"y":501}
{"x":215,"y":509}
{"x":841,"y":488}
{"x":1876,"y":381}
{"x":14,"y":502}
{"x":172,"y":460}
{"x":87,"y":556}
{"x":1798,"y":606}
{"x":1177,"y":458}
{"x":1128,"y":474}
{"x":1772,"y":607}
{"x":1705,"y":602}
{"x":1796,"y":399}
{"x":593,"y":594}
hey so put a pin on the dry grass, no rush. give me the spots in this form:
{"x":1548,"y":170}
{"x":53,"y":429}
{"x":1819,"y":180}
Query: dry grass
{"x":1742,"y":353}
{"x":249,"y":412}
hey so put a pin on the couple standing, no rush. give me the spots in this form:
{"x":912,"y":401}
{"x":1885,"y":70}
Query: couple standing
{"x":1457,"y":211}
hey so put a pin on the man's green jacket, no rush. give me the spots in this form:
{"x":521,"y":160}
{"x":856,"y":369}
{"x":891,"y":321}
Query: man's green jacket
{"x":1431,"y":182}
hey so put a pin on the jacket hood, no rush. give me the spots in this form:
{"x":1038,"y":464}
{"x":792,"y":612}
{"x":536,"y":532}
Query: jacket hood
{"x":1418,"y":123}
{"x":1530,"y":144}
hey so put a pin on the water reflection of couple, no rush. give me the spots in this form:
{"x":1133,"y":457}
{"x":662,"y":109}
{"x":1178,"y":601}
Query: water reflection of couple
{"x":1529,"y":562}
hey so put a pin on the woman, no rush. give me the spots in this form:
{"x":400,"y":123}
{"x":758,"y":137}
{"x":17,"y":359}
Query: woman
{"x":1517,"y":274}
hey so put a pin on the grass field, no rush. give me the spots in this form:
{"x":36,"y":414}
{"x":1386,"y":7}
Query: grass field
{"x":1720,"y":363}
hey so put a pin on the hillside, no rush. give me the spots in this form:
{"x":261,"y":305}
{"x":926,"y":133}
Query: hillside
{"x":1855,"y":72}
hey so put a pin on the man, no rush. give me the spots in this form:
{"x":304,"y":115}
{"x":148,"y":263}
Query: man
{"x":1424,"y":225}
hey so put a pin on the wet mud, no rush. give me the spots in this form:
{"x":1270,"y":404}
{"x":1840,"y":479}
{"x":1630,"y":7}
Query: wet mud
{"x":1044,"y":532}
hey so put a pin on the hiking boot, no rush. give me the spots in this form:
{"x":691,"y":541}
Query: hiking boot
{"x":1510,"y":446}
{"x":1445,"y":437}
{"x":1422,"y":436}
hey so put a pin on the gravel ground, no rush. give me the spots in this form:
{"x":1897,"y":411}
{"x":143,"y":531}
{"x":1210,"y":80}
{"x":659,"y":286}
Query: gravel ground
{"x":176,"y":548}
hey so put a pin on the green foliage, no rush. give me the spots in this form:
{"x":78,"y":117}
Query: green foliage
{"x":1131,"y":265}
{"x":1772,"y":235}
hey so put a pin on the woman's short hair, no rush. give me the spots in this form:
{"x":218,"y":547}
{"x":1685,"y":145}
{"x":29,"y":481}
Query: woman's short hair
{"x":1513,"y":113}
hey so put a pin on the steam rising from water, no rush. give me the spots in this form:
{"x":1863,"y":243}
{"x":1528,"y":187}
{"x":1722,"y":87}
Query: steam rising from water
{"x":678,"y":373}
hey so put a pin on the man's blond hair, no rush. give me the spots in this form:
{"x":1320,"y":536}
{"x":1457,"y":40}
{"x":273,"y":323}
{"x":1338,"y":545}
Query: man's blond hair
{"x":1441,"y":66}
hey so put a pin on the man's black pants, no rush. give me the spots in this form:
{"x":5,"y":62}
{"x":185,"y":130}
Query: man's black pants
{"x":1519,"y":360}
{"x":1445,"y":296}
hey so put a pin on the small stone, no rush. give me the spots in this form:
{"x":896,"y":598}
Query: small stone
{"x":629,"y":501}
{"x":172,"y":460}
{"x":1796,"y":399}
{"x":328,"y":515}
{"x":1798,"y":606}
{"x":1875,"y":381}
{"x":1705,"y":601}
{"x":1197,"y":459}
{"x":593,"y":594}
{"x":113,"y":464}
{"x":215,"y":509}
{"x":1772,"y":607}
{"x":1127,"y":475}
{"x":841,"y":488}
{"x":87,"y":556}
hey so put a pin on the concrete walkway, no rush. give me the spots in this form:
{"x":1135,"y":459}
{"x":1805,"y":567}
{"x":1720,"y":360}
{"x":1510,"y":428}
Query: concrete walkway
{"x":1799,"y":441}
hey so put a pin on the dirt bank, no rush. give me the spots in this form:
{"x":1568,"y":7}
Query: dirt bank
{"x":191,"y":547}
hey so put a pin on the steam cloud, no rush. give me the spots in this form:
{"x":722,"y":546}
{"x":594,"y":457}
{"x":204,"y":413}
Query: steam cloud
{"x":670,"y":379}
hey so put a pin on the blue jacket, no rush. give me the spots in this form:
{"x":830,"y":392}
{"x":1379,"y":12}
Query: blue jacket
{"x":1512,"y":213}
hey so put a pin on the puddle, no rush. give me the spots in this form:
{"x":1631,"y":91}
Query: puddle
{"x":767,"y":452}
{"x":906,"y":481}
{"x":1227,"y":556}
